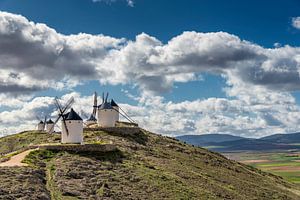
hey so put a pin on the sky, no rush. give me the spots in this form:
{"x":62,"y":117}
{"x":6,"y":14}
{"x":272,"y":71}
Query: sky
{"x":177,"y":67}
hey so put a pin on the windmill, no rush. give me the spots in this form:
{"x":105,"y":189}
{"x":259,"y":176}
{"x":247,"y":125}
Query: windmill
{"x":108,"y":113}
{"x":71,"y":123}
{"x":62,"y":113}
{"x":42,"y":123}
{"x":49,"y":125}
{"x":92,"y":119}
{"x":95,"y":106}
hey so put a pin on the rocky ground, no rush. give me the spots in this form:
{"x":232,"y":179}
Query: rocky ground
{"x":23,"y":183}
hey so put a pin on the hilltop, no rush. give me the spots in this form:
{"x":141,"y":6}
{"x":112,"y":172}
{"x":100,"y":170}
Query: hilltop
{"x":144,"y":165}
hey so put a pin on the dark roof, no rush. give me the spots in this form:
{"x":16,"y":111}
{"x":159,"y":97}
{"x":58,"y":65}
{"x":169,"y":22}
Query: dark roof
{"x":113,"y":103}
{"x":41,"y":122}
{"x":105,"y":105}
{"x":49,"y":121}
{"x":92,"y":118}
{"x":72,"y":115}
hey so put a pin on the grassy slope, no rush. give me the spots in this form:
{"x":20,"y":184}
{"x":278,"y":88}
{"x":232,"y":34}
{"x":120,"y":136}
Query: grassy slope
{"x":274,"y":162}
{"x":147,"y":166}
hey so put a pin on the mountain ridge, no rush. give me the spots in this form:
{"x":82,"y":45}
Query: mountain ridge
{"x":231,"y":143}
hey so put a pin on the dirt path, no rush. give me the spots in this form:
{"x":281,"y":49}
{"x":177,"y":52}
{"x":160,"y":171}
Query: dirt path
{"x":16,"y":160}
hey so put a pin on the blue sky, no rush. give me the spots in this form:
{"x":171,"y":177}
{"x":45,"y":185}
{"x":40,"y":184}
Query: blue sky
{"x":261,"y":23}
{"x":255,"y":21}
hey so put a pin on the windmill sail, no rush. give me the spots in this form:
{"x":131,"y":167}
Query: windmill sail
{"x":62,"y":112}
{"x":95,"y":105}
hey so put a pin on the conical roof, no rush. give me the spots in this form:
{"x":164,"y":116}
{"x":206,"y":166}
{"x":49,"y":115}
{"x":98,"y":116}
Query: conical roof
{"x":72,"y":115}
{"x":41,"y":122}
{"x":113,"y":103}
{"x":105,"y":105}
{"x":49,"y":121}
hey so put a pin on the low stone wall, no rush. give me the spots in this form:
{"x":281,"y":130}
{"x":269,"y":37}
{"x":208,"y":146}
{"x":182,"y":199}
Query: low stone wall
{"x":80,"y":148}
{"x":126,"y":124}
{"x":117,"y":130}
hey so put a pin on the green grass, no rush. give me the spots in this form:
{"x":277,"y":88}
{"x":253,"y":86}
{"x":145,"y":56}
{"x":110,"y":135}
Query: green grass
{"x":274,"y":160}
{"x":291,"y":176}
{"x":20,"y":141}
{"x":35,"y":158}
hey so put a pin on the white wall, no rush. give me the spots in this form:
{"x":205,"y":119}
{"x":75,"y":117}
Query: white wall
{"x":117,"y":118}
{"x":106,"y":117}
{"x":40,"y":127}
{"x":75,"y":128}
{"x":49,"y":127}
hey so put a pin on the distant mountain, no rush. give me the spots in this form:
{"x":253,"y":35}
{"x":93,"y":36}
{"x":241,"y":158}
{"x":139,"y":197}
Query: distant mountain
{"x":226,"y":142}
{"x":251,"y":145}
{"x":208,"y":139}
{"x":283,"y":138}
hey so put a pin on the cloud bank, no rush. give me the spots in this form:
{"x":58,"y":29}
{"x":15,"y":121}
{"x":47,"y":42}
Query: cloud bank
{"x":34,"y":56}
{"x":259,"y":80}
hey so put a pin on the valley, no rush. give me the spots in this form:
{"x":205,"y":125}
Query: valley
{"x":285,"y":163}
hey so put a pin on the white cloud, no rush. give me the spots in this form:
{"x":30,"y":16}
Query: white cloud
{"x":259,"y":80}
{"x":296,"y":22}
{"x":264,"y":115}
{"x":35,"y":57}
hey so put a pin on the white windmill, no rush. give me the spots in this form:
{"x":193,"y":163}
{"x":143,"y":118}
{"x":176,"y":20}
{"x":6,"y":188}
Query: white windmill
{"x":41,"y":124}
{"x":49,"y":126}
{"x":92,"y":119}
{"x":71,"y":123}
{"x":106,"y":113}
{"x":109,"y":113}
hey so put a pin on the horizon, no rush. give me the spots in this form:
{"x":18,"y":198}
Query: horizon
{"x":180,"y":68}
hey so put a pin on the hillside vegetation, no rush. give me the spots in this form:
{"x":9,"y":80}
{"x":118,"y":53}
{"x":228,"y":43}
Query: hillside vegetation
{"x":145,"y":166}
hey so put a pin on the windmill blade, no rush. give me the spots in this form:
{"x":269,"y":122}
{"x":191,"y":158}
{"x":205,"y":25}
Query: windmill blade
{"x":45,"y":119}
{"x":102,"y":97}
{"x":39,"y":119}
{"x":62,"y":111}
{"x":65,"y":125}
{"x":106,"y":97}
{"x":130,"y":120}
{"x":126,"y":114}
{"x":95,"y":99}
{"x":95,"y":105}
{"x":55,"y":122}
{"x":58,"y":105}
{"x":57,"y":126}
{"x":68,"y":104}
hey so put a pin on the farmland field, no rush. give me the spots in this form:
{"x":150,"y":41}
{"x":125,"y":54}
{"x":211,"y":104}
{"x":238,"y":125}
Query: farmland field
{"x":285,"y":164}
